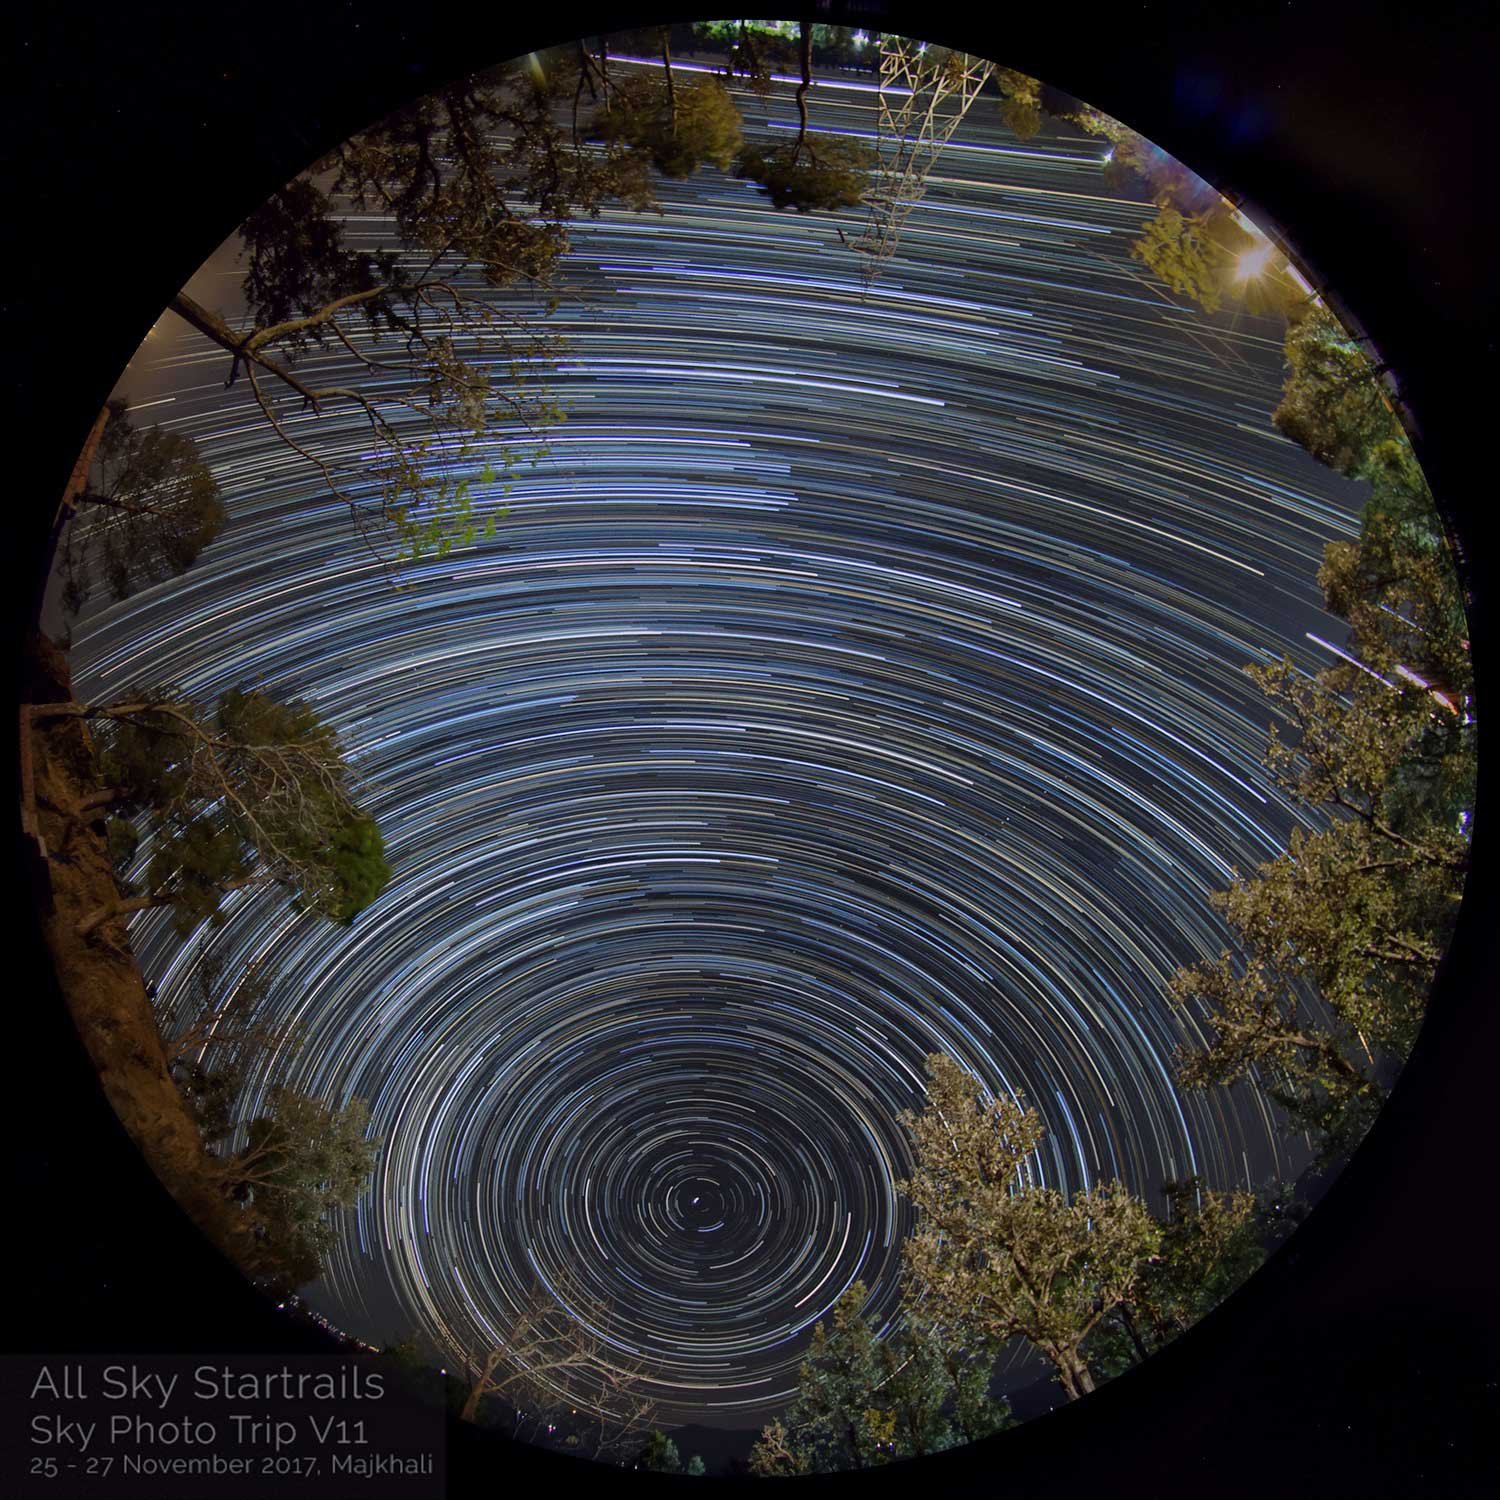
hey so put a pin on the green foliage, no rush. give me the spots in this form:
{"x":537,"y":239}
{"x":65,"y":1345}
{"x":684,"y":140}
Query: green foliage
{"x":212,"y":1095}
{"x":749,"y":57}
{"x":935,"y":1388}
{"x":1436,"y":784}
{"x":480,"y":181}
{"x":297,"y":263}
{"x":777,"y":1455}
{"x":1002,"y":1259}
{"x":678,"y":130}
{"x":1194,"y":241}
{"x":1091,"y":1282}
{"x":1376,"y":897}
{"x":305,"y":1149}
{"x":194,"y":861}
{"x":1021,"y":102}
{"x":224,"y":1027}
{"x":775,"y":44}
{"x":863,"y":1401}
{"x":152,"y":506}
{"x":824,"y":176}
{"x":1396,"y":586}
{"x":440,"y":167}
{"x":302,"y":1160}
{"x":1209,"y":1245}
{"x":1349,"y":733}
{"x":124,"y":841}
{"x":358,"y":868}
{"x":255,"y":792}
{"x":830,"y":1421}
{"x":1333,"y":403}
{"x":1193,"y":254}
{"x":660,"y":1454}
{"x":1338,"y":940}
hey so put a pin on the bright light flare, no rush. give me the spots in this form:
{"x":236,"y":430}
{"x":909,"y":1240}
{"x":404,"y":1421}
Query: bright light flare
{"x":1252,"y":262}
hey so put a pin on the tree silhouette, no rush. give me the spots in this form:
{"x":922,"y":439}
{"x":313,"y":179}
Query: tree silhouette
{"x":863,"y":1400}
{"x":301,"y":1160}
{"x":224,"y":1028}
{"x":1208,"y":1247}
{"x":807,"y":174}
{"x":555,"y":1367}
{"x":480,"y":181}
{"x":251,"y":793}
{"x":148,"y":509}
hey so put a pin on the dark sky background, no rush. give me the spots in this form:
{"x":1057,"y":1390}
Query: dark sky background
{"x":1406,"y":1308}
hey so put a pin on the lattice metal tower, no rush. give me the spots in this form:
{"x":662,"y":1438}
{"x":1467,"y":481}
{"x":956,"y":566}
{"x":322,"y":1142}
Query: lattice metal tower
{"x":924,"y":94}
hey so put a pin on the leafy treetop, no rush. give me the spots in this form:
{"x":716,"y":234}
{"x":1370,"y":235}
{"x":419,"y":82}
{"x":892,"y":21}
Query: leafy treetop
{"x":1333,"y":403}
{"x":251,"y":792}
{"x":809,"y":173}
{"x":150,"y":508}
{"x":1004,"y":1258}
{"x":863,"y":1400}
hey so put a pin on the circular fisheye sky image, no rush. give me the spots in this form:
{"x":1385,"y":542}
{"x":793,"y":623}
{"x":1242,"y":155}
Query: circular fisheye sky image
{"x":751,"y":737}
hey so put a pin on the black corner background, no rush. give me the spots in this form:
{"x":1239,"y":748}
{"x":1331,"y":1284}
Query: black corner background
{"x":1362,"y":1360}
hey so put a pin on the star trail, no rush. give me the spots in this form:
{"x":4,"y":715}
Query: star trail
{"x":853,"y":679}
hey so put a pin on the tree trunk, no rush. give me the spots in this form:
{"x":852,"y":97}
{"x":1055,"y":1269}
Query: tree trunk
{"x":212,"y":326}
{"x":118,"y":908}
{"x":1130,"y":1328}
{"x":128,"y":507}
{"x":805,"y":50}
{"x":80,"y":475}
{"x":481,"y":1387}
{"x":1073,"y":1373}
{"x":69,"y":502}
{"x":104,"y":797}
{"x":103,"y":988}
{"x":209,"y":324}
{"x":666,"y":60}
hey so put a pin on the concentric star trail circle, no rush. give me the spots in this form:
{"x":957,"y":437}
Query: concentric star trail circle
{"x":854,"y":680}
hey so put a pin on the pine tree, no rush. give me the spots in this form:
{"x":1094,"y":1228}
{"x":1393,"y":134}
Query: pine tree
{"x":479,"y":182}
{"x":302,"y":1160}
{"x":1192,"y":253}
{"x":1337,"y":941}
{"x":678,"y":127}
{"x":863,"y":1400}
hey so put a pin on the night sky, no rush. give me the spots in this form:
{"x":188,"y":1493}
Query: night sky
{"x":856,"y":679}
